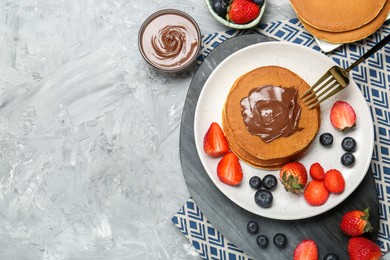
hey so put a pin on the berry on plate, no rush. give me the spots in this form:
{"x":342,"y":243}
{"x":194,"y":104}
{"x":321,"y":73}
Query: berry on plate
{"x":334,"y":181}
{"x":306,"y":250}
{"x":255,"y":182}
{"x":229,"y":170}
{"x":242,"y":11}
{"x":360,"y":248}
{"x":356,"y":222}
{"x":264,"y":198}
{"x":220,"y":7}
{"x":214,"y":142}
{"x":316,"y":171}
{"x":315,"y":193}
{"x":293,"y":177}
{"x":270,"y":181}
{"x":342,"y":116}
{"x":326,"y":139}
{"x":348,"y":144}
{"x":347,"y":159}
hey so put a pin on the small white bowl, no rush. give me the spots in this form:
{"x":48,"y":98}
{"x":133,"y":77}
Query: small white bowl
{"x":234,"y":25}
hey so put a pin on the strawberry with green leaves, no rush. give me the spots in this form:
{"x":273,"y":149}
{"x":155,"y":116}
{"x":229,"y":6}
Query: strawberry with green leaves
{"x":356,"y":222}
{"x":293,"y":177}
{"x":361,"y":248}
{"x":242,"y":11}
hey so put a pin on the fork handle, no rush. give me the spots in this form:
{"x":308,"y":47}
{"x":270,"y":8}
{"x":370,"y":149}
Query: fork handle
{"x":370,"y":52}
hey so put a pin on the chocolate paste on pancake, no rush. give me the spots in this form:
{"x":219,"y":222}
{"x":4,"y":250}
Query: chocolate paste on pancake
{"x":270,"y":112}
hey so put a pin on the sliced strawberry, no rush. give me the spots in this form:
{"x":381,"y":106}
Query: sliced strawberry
{"x":360,"y":248}
{"x":293,"y":177}
{"x":342,"y":116}
{"x":229,"y":169}
{"x":316,"y":171}
{"x":315,"y":193}
{"x":242,"y":11}
{"x":356,"y":222}
{"x":334,"y":181}
{"x":214,"y":142}
{"x":306,"y":250}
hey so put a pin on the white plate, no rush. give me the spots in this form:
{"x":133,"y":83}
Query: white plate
{"x":310,"y":65}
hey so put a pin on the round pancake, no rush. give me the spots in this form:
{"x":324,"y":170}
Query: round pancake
{"x":337,"y":15}
{"x":352,"y":35}
{"x":250,"y":147}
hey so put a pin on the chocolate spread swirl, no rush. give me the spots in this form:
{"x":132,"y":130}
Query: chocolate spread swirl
{"x":271,"y":112}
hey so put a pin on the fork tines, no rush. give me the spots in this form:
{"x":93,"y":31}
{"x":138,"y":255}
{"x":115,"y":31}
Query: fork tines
{"x":324,"y":88}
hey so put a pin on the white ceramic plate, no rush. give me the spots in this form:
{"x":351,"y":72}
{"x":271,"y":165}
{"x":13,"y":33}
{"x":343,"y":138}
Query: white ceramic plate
{"x":310,"y":65}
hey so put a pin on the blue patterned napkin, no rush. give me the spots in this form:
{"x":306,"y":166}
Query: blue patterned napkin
{"x":372,"y":78}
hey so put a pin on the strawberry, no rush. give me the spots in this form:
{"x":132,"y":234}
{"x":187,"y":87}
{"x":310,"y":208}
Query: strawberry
{"x":242,"y":11}
{"x":334,"y":181}
{"x":306,"y":250}
{"x":342,"y":116}
{"x":315,"y":193}
{"x":229,"y":169}
{"x":360,"y":248}
{"x":293,"y":177}
{"x":316,"y":171}
{"x":356,"y":222}
{"x":214,"y":142}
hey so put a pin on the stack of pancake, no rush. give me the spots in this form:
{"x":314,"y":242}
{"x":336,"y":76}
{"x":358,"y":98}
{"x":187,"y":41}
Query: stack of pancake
{"x":341,"y":21}
{"x":251,"y":148}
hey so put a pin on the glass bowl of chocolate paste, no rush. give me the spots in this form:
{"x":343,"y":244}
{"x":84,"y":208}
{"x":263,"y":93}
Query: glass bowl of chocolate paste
{"x":169,"y":40}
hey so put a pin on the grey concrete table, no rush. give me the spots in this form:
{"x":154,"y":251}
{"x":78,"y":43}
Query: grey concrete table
{"x":89,"y":136}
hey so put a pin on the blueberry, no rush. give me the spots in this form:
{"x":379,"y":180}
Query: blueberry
{"x":220,"y":7}
{"x":255,"y":182}
{"x":258,"y":2}
{"x":326,"y":139}
{"x":263,"y":198}
{"x":252,"y":227}
{"x":270,"y":182}
{"x":347,"y":159}
{"x":348,"y":144}
{"x":262,"y":241}
{"x":331,"y":256}
{"x":280,"y":240}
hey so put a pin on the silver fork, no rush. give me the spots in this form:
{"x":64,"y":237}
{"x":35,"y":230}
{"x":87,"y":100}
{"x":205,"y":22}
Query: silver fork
{"x":335,"y":79}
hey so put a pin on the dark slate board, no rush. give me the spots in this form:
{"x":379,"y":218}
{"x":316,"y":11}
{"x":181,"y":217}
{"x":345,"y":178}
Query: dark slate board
{"x":230,"y":219}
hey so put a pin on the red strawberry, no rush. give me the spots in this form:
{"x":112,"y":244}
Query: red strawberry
{"x":316,"y":171}
{"x":356,"y":222}
{"x":334,"y":181}
{"x":242,"y":11}
{"x":293,"y":176}
{"x":229,"y":169}
{"x":315,"y":193}
{"x":214,"y":142}
{"x":342,"y":116}
{"x":306,"y":250}
{"x":360,"y":248}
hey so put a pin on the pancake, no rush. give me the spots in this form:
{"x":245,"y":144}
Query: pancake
{"x":352,"y":35}
{"x":337,"y":15}
{"x":251,"y":148}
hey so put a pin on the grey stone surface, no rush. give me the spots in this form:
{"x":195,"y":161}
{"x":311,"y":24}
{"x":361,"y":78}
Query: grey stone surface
{"x":89,"y":133}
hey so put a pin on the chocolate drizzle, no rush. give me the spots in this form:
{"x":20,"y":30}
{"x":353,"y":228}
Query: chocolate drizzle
{"x":270,"y":112}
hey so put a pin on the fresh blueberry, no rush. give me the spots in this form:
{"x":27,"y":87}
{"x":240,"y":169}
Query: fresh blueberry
{"x":331,"y":256}
{"x":255,"y":182}
{"x":220,"y":7}
{"x":270,"y":182}
{"x":326,"y":139}
{"x":258,"y":2}
{"x":263,"y":198}
{"x":348,"y":144}
{"x":347,"y":159}
{"x":252,"y":227}
{"x":280,"y":240}
{"x":262,"y":241}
